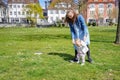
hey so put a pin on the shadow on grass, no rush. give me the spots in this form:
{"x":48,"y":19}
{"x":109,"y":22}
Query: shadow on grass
{"x":42,"y":37}
{"x":65,"y":56}
{"x":103,"y":41}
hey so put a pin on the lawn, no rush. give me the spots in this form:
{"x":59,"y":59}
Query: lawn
{"x":18,"y":60}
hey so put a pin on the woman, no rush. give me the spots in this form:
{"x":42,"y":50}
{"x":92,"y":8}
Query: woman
{"x":78,"y":30}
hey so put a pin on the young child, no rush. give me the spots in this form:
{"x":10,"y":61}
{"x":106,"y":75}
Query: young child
{"x":81,"y":49}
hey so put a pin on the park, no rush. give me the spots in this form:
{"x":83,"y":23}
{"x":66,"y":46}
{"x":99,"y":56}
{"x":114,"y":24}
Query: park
{"x":31,"y":49}
{"x":18,"y":60}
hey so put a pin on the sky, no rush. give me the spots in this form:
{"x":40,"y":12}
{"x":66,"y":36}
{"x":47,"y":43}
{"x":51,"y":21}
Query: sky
{"x":42,"y":3}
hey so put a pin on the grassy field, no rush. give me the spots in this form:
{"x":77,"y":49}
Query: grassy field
{"x":18,"y":60}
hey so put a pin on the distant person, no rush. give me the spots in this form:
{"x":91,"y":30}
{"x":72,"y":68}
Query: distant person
{"x":78,"y":30}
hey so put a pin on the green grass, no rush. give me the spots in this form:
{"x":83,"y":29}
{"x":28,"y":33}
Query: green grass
{"x":18,"y":61}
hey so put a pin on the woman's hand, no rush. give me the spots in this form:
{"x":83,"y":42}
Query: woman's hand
{"x":73,"y":41}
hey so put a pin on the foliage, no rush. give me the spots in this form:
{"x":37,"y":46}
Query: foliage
{"x":54,"y":2}
{"x":34,"y":12}
{"x":18,"y":61}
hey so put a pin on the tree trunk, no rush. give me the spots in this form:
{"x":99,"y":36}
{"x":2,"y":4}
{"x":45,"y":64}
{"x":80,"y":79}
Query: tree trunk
{"x":117,"y":41}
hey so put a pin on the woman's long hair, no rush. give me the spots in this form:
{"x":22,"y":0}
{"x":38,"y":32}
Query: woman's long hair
{"x":68,"y":20}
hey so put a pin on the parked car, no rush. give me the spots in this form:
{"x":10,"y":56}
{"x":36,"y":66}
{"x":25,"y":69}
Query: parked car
{"x":92,"y":22}
{"x":44,"y":23}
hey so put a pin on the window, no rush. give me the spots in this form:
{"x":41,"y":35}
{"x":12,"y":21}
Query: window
{"x":10,"y":6}
{"x":109,"y":12}
{"x":18,"y":6}
{"x":95,"y":0}
{"x":14,"y":6}
{"x":23,"y":6}
{"x":100,"y":13}
{"x":109,"y":6}
{"x":51,"y":18}
{"x":101,"y":5}
{"x":23,"y":13}
{"x":65,"y":5}
{"x":19,"y":13}
{"x":57,"y":11}
{"x":28,"y":13}
{"x":62,"y":12}
{"x":22,"y":0}
{"x":92,"y":13}
{"x":1,"y":13}
{"x":57,"y":18}
{"x":15,"y":13}
{"x":51,"y":12}
{"x":11,"y":13}
{"x":105,"y":0}
{"x":92,"y":6}
{"x":31,"y":0}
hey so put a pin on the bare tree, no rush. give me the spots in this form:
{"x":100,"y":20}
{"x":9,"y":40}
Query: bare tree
{"x":68,"y":2}
{"x":79,"y":4}
{"x":117,"y":40}
{"x":82,"y":5}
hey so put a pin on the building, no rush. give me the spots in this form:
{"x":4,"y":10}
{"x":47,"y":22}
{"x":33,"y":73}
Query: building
{"x":57,"y":12}
{"x":15,"y":10}
{"x":47,"y":3}
{"x":3,"y":7}
{"x":101,"y":11}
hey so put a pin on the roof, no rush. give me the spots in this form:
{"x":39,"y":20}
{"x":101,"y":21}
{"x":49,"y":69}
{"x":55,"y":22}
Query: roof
{"x":99,"y":1}
{"x":61,"y":2}
{"x":23,"y":1}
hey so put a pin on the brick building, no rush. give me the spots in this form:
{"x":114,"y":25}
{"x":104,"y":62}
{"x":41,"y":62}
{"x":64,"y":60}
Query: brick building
{"x":101,"y":11}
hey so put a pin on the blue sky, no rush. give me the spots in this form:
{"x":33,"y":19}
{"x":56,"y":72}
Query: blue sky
{"x":42,"y":3}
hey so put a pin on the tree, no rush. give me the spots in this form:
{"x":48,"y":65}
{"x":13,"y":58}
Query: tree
{"x":117,"y":40}
{"x":80,"y":5}
{"x":61,"y":5}
{"x":68,"y":2}
{"x":34,"y":11}
{"x":114,"y":14}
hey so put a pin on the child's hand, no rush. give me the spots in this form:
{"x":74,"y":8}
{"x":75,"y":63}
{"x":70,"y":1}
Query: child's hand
{"x":78,"y":43}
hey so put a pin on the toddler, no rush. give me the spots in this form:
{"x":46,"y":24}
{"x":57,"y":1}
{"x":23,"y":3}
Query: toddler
{"x":81,"y":50}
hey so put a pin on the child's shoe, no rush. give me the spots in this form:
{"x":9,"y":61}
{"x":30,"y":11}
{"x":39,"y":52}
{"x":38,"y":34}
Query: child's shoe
{"x":74,"y":61}
{"x":82,"y":64}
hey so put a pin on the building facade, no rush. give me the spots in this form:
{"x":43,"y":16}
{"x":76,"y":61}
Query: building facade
{"x":101,"y":11}
{"x":14,"y":12}
{"x":57,"y":12}
{"x":3,"y":7}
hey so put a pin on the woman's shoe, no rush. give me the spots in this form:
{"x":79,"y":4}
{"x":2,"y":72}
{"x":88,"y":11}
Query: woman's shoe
{"x":90,"y":60}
